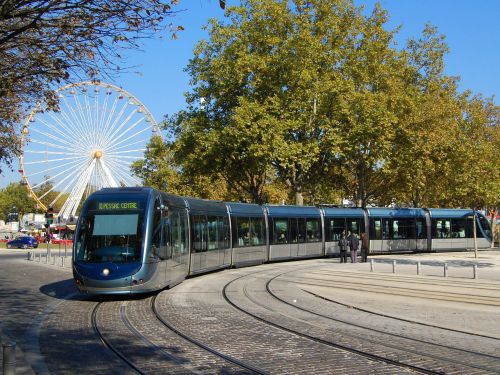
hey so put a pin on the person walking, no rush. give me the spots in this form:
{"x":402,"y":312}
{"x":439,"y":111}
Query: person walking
{"x":343,"y":243}
{"x":364,"y":247}
{"x":354,"y":245}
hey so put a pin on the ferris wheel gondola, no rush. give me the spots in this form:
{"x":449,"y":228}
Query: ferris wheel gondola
{"x":88,"y":144}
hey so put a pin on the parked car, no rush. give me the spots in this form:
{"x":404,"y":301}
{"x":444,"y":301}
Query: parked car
{"x":22,"y":242}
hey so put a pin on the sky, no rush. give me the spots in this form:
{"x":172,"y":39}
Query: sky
{"x":472,"y":33}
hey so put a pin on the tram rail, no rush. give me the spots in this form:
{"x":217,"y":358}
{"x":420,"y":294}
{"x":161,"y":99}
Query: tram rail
{"x":431,"y":368}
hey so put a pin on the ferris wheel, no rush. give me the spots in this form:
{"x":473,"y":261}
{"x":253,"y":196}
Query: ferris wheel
{"x":90,"y":143}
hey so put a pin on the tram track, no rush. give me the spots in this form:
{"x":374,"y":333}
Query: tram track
{"x":107,"y":343}
{"x":198,"y":343}
{"x":429,"y":369}
{"x":319,"y":340}
{"x":156,"y":345}
{"x":459,"y":351}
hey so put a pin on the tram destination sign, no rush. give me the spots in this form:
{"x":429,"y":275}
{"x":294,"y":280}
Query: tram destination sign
{"x":117,"y":205}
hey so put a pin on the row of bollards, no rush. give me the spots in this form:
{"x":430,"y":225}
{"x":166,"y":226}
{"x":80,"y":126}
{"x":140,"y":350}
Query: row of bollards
{"x":419,"y":268}
{"x":49,"y":259}
{"x":9,"y":358}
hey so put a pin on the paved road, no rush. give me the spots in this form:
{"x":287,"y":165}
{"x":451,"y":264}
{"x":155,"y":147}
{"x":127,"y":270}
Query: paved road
{"x":426,"y":321}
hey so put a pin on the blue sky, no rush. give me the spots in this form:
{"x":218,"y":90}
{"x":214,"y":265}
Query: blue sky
{"x":472,"y":30}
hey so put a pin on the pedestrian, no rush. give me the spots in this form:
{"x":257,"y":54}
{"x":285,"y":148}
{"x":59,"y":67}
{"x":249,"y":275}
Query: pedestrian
{"x":364,"y":247}
{"x":354,"y":245}
{"x":343,"y":243}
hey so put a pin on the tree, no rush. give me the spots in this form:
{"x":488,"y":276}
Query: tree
{"x":16,"y":195}
{"x":44,"y":43}
{"x":269,"y":80}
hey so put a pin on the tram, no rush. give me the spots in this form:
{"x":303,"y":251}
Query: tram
{"x":139,"y":240}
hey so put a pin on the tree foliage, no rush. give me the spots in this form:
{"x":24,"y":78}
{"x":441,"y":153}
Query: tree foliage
{"x":314,"y":98}
{"x":16,"y":195}
{"x":45,"y":43}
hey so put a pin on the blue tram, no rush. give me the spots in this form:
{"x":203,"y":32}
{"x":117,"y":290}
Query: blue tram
{"x":137,"y":240}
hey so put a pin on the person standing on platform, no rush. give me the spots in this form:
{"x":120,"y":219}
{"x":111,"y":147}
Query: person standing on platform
{"x":343,"y":243}
{"x":354,"y":245}
{"x":364,"y":247}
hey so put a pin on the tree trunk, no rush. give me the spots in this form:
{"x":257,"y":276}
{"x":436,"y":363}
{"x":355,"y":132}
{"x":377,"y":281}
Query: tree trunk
{"x":299,"y":198}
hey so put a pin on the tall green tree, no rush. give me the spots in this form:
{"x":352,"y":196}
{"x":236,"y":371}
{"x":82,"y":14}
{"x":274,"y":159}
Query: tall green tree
{"x":272,"y":74}
{"x":15,"y":195}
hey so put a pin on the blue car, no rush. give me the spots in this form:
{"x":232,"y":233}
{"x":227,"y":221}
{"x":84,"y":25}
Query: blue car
{"x":22,"y":242}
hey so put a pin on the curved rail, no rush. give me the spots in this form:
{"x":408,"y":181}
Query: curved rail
{"x":108,"y":344}
{"x":371,"y":356}
{"x":198,"y":343}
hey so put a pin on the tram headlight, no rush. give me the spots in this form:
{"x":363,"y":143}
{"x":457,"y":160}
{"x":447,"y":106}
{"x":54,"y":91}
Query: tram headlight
{"x":105,"y":272}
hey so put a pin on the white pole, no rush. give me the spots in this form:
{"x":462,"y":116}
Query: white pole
{"x":474,"y":230}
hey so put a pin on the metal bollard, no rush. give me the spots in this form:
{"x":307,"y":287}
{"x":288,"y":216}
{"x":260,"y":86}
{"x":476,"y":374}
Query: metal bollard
{"x":9,"y":358}
{"x":393,"y":266}
{"x":54,"y":260}
{"x":371,"y":265}
{"x":47,"y":258}
{"x":62,"y":262}
{"x":445,"y":269}
{"x":29,"y":255}
{"x":418,"y":268}
{"x":40,"y":257}
{"x":475,"y":271}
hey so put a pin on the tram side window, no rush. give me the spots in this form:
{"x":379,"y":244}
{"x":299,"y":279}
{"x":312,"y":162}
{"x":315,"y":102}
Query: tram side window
{"x":313,"y":230}
{"x":400,"y":228}
{"x":458,"y":228}
{"x":441,"y":228}
{"x":243,"y":231}
{"x":250,"y":232}
{"x":376,"y":228}
{"x":354,"y":226}
{"x":421,"y":229}
{"x":199,"y":234}
{"x":469,"y":229}
{"x":485,"y":225}
{"x":256,"y":231}
{"x":280,"y":231}
{"x":334,"y":229}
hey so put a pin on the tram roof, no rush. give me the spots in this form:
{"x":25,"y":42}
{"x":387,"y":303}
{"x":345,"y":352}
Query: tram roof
{"x":206,"y":206}
{"x":449,"y":212}
{"x":293,"y":211}
{"x":396,"y":212}
{"x":173,"y":200}
{"x":242,"y":209}
{"x":343,"y":212}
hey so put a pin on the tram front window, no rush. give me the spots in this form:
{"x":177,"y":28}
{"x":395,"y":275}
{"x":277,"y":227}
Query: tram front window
{"x":110,"y":238}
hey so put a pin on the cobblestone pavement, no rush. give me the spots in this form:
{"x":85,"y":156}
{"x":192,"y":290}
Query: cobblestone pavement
{"x":454,"y":317}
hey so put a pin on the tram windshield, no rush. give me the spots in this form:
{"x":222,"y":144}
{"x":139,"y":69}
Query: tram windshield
{"x":110,"y":235}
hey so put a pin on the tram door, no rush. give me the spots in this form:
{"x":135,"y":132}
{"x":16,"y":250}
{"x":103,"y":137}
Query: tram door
{"x":200,"y":240}
{"x":175,"y":234}
{"x":294,"y":237}
{"x":158,"y":252}
{"x":420,"y":235}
